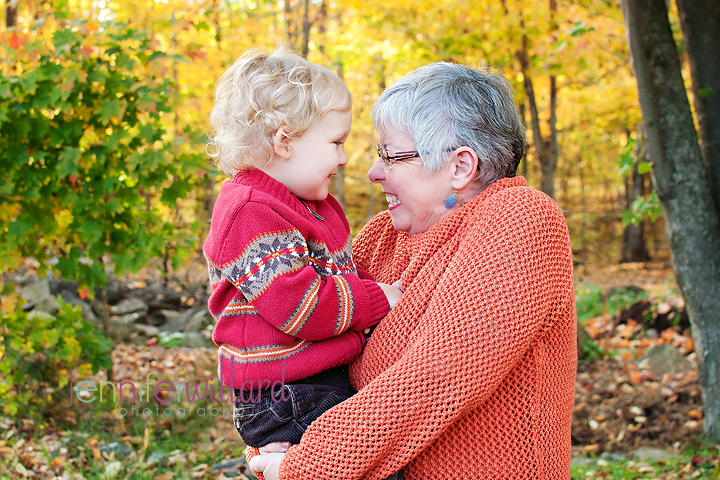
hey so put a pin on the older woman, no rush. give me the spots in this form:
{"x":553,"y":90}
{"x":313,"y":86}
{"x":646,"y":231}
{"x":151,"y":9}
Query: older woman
{"x":472,"y":374}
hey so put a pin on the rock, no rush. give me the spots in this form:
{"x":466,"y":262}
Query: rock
{"x":613,"y":456}
{"x":232,"y":467}
{"x":129,"y":317}
{"x":179,"y":323}
{"x":199,"y":320}
{"x":156,"y":458}
{"x":120,"y":449}
{"x":130,"y":305}
{"x":663,"y":359}
{"x":48,"y":304}
{"x":38,"y":293}
{"x":653,"y":454}
{"x":582,"y":461}
{"x":162,"y":317}
{"x":227,"y":464}
{"x":652,"y":334}
{"x":115,"y":291}
{"x":121,"y":328}
{"x":196,"y":340}
{"x":147,"y":330}
{"x":58,"y":286}
{"x":36,"y":290}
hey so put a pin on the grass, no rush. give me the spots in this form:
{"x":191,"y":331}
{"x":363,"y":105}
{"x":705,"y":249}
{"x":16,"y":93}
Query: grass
{"x":691,"y":464}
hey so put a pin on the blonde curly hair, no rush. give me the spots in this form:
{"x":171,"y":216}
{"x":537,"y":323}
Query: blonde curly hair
{"x":261,"y":93}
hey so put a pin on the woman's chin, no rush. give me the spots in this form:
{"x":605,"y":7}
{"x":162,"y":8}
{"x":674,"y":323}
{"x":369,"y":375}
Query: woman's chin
{"x":399,"y":223}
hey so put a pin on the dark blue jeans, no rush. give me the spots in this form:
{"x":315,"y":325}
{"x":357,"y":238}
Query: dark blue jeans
{"x":283,"y":415}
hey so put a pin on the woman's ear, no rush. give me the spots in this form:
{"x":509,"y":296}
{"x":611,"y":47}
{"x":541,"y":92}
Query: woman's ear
{"x":464,"y":167}
{"x":281,"y":143}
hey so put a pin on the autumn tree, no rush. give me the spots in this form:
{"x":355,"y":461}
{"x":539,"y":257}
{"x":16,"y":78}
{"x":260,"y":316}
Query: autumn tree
{"x":683,"y":178}
{"x":90,"y":176}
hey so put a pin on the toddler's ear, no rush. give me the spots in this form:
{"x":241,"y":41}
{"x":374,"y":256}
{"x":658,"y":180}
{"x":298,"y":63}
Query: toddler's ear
{"x":282,"y":143}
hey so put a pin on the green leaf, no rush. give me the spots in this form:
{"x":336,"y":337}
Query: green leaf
{"x":627,"y":217}
{"x":579,"y":29}
{"x":114,"y":205}
{"x":627,"y":162}
{"x":110,"y":109}
{"x":125,"y":61}
{"x":559,"y":45}
{"x":65,"y":37}
{"x":704,"y":92}
{"x":68,"y":162}
{"x":644,"y":167}
{"x":202,"y":25}
{"x":90,"y":231}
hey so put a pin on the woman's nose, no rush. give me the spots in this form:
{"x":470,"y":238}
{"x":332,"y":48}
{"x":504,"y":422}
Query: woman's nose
{"x":376,"y":173}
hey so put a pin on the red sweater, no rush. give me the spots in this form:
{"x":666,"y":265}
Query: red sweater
{"x":472,"y":374}
{"x":288,"y":299}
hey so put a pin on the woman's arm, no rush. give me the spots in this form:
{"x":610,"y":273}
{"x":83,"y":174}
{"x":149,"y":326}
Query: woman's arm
{"x":488,"y":308}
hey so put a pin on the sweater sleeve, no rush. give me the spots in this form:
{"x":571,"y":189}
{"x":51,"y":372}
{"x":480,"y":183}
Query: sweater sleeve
{"x":488,"y":308}
{"x":268,"y":260}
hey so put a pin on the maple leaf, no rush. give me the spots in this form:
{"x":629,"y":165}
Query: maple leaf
{"x":17,"y":40}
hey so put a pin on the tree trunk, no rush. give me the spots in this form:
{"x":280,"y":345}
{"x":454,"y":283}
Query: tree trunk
{"x":699,"y":20}
{"x":583,"y":215}
{"x":322,"y":27}
{"x":547,"y":149}
{"x":218,"y":30}
{"x":289,"y":24}
{"x":306,"y":30}
{"x":634,"y":248}
{"x":680,"y":180}
{"x":10,"y":14}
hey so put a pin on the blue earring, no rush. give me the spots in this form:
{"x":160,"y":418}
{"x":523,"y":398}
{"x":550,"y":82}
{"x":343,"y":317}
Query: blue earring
{"x":453,"y":199}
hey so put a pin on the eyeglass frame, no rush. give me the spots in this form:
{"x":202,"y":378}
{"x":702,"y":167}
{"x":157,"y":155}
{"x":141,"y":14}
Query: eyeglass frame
{"x":390,"y":160}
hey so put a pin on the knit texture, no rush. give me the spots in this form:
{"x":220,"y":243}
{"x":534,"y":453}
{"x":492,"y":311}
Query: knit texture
{"x":288,"y":299}
{"x":472,"y":374}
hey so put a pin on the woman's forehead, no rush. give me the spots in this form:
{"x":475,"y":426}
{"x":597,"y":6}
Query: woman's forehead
{"x":397,"y":139}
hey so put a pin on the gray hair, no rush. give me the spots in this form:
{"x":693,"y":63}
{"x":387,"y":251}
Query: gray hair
{"x":443,"y":106}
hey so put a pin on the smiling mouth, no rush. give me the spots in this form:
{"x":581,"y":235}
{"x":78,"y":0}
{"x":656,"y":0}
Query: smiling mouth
{"x":393,"y":201}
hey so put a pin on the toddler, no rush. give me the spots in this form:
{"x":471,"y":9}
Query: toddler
{"x":290,"y":304}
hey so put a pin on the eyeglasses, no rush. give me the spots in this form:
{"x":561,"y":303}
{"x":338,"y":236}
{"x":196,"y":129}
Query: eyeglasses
{"x":390,"y":160}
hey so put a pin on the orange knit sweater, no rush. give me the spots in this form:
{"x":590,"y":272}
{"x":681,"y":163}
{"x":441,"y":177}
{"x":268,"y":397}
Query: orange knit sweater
{"x":472,"y":374}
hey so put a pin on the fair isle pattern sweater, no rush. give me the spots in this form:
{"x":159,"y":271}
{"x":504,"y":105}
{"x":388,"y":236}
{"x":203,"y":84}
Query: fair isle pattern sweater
{"x":288,"y":299}
{"x":472,"y":374}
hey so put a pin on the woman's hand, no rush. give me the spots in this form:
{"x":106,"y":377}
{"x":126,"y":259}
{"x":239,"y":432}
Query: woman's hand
{"x":268,"y":464}
{"x":392,"y":293}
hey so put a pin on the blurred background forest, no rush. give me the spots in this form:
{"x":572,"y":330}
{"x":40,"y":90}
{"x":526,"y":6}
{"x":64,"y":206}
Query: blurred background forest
{"x":107,"y":194}
{"x":567,"y":61}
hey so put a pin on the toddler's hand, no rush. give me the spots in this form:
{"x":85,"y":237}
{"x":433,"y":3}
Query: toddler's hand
{"x":276,"y":447}
{"x":392,"y":293}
